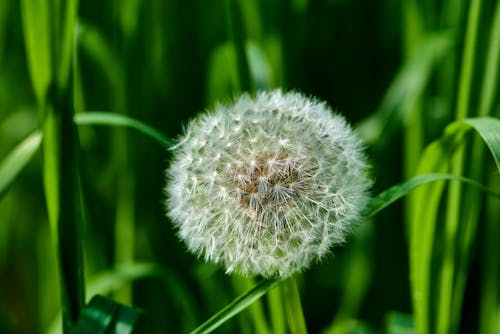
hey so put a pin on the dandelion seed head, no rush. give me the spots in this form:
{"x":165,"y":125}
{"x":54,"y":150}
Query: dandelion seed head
{"x":266,"y":186}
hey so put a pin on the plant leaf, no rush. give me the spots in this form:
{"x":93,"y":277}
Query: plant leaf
{"x":426,"y":202}
{"x":398,"y":191}
{"x":103,"y":315}
{"x":37,"y":36}
{"x":123,"y":274}
{"x":489,"y":130}
{"x":406,"y":86}
{"x":91,"y":41}
{"x":399,"y":323}
{"x":70,"y":8}
{"x":15,"y":162}
{"x":236,"y":306}
{"x":113,"y":119}
{"x":111,"y":280}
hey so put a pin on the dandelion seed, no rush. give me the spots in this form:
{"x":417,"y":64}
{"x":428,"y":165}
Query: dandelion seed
{"x":278,"y":181}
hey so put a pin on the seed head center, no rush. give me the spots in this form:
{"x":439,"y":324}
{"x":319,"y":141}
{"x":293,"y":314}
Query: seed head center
{"x":268,"y":181}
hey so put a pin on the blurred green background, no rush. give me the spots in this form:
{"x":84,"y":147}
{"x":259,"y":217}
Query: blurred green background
{"x":378,"y":62}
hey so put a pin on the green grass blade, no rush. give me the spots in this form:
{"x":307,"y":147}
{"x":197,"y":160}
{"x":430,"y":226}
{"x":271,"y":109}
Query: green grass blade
{"x":491,"y":71}
{"x":467,"y":69}
{"x":91,"y":41}
{"x":37,"y":36}
{"x":278,"y":323}
{"x":454,"y":204}
{"x":222,"y":70}
{"x":293,"y":306}
{"x":399,"y":323}
{"x":66,"y":36}
{"x":237,"y":33}
{"x":398,"y":191}
{"x":489,"y":303}
{"x":436,"y":158}
{"x":406,"y":87}
{"x":356,"y":278}
{"x":51,"y":169}
{"x":129,"y":13}
{"x":413,"y":33}
{"x":110,"y":281}
{"x":4,"y":11}
{"x":426,"y":201}
{"x":489,"y":311}
{"x":113,"y":280}
{"x":255,"y":312}
{"x":61,"y":183}
{"x":113,"y":119}
{"x":17,"y":159}
{"x":489,"y":130}
{"x":236,"y":306}
{"x":103,"y":315}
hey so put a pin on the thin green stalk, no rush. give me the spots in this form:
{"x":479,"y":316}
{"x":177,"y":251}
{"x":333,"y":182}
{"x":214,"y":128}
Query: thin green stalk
{"x":122,"y":153}
{"x":426,"y":203}
{"x":236,"y":306}
{"x":255,"y":311}
{"x":413,"y":134}
{"x":48,"y":32}
{"x":453,"y":212}
{"x":293,"y":307}
{"x":413,"y":137}
{"x":237,"y":34}
{"x":62,"y":189}
{"x":276,"y":309}
{"x":472,"y":198}
{"x":69,"y":220}
{"x":125,"y":208}
{"x":490,"y":287}
{"x":4,"y":11}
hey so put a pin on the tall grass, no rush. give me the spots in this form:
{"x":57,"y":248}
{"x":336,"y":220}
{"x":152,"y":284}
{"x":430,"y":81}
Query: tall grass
{"x":418,"y":78}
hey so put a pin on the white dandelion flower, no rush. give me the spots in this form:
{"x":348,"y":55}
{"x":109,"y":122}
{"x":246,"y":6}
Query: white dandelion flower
{"x":266,"y":186}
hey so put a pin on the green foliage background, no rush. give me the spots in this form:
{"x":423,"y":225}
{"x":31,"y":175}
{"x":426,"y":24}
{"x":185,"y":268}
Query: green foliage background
{"x":400,"y":71}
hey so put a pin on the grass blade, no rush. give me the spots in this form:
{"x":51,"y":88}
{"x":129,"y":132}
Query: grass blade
{"x":490,"y":286}
{"x":398,"y":191}
{"x":91,"y":41}
{"x":113,"y":119}
{"x":406,"y":87}
{"x":436,"y":158}
{"x":255,"y":314}
{"x":15,"y":162}
{"x":4,"y":11}
{"x":113,"y":280}
{"x":489,"y":130}
{"x":445,"y":322}
{"x":235,"y":307}
{"x":278,"y":323}
{"x":293,"y":307}
{"x":66,"y":35}
{"x":110,"y":281}
{"x":237,"y":33}
{"x":399,"y":323}
{"x":426,"y":202}
{"x":129,"y":13}
{"x":103,"y":315}
{"x":37,"y":36}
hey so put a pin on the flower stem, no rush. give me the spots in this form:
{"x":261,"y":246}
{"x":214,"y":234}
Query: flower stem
{"x":278,"y":321}
{"x":293,"y":307}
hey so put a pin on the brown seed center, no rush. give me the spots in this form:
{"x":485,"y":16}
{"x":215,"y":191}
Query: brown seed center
{"x":268,"y":181}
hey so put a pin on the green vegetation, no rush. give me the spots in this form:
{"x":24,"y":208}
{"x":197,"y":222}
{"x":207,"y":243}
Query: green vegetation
{"x":93,"y":93}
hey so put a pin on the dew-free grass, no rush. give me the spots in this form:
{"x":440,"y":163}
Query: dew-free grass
{"x":112,"y":84}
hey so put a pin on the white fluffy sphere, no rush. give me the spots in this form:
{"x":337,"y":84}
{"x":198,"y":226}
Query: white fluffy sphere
{"x":267,"y":185}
